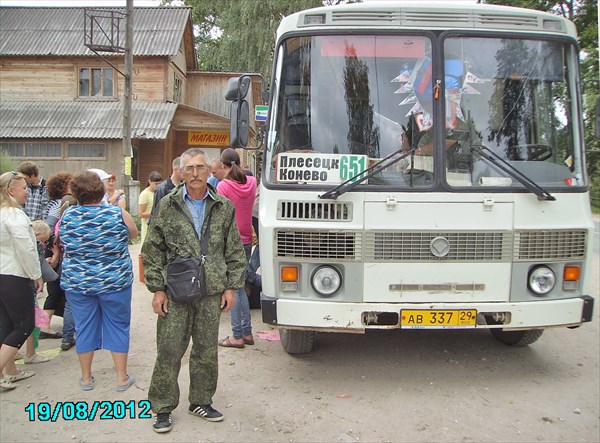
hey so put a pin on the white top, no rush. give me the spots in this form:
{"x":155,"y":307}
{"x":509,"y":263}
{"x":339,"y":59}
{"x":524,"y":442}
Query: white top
{"x":18,"y":249}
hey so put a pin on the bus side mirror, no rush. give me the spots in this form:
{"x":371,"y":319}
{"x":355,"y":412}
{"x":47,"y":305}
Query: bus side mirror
{"x":238,"y":125}
{"x":237,"y":88}
{"x":239,"y":113}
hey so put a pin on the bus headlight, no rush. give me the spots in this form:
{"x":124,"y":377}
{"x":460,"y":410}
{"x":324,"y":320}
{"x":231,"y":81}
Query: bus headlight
{"x":326,"y":280}
{"x":541,"y":280}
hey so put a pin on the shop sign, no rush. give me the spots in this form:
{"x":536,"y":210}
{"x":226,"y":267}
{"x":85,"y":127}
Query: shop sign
{"x":208,"y":138}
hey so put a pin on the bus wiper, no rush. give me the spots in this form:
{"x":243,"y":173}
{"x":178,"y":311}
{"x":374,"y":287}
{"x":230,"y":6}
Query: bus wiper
{"x":376,"y":168}
{"x":502,"y":164}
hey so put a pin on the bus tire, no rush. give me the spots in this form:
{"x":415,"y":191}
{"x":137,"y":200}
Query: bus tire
{"x":517,"y":338}
{"x":295,"y":341}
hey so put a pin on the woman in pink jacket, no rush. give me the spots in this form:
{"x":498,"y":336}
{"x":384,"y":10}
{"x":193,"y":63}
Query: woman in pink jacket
{"x":241,"y":190}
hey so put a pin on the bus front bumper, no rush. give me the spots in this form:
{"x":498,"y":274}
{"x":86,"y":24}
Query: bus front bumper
{"x":357,"y":317}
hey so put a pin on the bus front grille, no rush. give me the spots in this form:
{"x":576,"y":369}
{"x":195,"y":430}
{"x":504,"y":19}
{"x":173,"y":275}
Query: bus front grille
{"x":550,"y":245}
{"x":417,"y":246}
{"x":316,"y":244}
{"x":395,"y":246}
{"x":317,"y":211}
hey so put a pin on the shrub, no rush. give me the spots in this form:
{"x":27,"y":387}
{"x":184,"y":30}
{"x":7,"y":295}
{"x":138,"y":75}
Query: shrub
{"x":6,"y":162}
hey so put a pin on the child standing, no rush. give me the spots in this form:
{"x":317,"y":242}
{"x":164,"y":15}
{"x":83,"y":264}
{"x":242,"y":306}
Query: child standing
{"x":42,"y":233}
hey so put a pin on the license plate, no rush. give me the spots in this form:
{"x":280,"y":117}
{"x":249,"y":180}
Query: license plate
{"x":451,"y":318}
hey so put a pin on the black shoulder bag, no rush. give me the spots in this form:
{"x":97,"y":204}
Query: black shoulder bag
{"x":186,"y":280}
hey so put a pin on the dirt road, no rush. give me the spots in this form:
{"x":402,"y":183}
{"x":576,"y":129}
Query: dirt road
{"x":381,"y":386}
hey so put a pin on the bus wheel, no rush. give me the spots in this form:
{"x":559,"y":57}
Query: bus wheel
{"x":295,"y":341}
{"x":517,"y":338}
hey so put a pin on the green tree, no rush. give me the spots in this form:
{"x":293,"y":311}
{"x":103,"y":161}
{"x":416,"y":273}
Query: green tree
{"x":240,"y":35}
{"x":6,"y":162}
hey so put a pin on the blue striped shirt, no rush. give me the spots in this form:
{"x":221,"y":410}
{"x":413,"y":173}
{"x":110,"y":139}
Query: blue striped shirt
{"x":95,"y":239}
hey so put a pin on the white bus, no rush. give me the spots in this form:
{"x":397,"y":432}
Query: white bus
{"x":424,"y":168}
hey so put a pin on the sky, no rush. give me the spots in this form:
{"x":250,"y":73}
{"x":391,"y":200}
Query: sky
{"x":78,"y":3}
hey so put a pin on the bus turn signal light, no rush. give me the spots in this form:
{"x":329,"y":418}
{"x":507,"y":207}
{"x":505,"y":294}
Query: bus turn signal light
{"x":289,"y":273}
{"x":289,"y":278}
{"x":571,"y":276}
{"x":572,"y":273}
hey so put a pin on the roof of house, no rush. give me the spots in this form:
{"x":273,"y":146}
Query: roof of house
{"x":60,"y":31}
{"x":86,"y":120}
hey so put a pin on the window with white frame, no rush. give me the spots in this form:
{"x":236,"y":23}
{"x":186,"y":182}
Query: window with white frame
{"x":96,"y":82}
{"x":86,"y":150}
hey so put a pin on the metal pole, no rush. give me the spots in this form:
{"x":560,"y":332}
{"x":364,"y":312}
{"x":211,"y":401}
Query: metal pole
{"x":127,"y":96}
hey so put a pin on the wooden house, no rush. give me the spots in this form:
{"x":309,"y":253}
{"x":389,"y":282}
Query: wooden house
{"x":61,"y":104}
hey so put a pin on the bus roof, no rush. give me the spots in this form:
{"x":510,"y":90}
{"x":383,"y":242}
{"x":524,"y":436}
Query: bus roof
{"x":420,"y":15}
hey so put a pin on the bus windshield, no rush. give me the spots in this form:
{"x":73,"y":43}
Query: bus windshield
{"x":342,"y":103}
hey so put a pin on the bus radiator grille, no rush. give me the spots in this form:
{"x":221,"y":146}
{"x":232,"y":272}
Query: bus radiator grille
{"x":417,"y":246}
{"x":550,"y":245}
{"x":316,"y":244}
{"x":317,"y":211}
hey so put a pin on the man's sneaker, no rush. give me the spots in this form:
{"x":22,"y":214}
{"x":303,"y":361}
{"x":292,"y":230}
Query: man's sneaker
{"x":163,"y":422}
{"x":67,"y":343}
{"x":207,"y":412}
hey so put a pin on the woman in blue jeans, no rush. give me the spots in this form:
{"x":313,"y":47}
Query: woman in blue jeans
{"x":241,"y":190}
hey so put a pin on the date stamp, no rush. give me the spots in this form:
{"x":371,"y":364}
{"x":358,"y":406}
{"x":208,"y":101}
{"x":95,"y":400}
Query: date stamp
{"x":82,"y":410}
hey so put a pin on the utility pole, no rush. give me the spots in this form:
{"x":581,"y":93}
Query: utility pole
{"x":127,"y":97}
{"x":102,"y":33}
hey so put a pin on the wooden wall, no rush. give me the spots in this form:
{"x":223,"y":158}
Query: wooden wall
{"x":49,"y":166}
{"x":179,"y":60}
{"x":206,"y":91}
{"x":173,"y":72}
{"x":152,"y":158}
{"x":56,"y":78}
{"x":148,"y":82}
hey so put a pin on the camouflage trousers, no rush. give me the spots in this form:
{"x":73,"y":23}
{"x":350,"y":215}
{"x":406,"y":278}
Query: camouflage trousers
{"x":200,"y":321}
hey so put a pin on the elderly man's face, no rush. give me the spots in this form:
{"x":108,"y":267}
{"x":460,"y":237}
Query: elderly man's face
{"x":195,"y":173}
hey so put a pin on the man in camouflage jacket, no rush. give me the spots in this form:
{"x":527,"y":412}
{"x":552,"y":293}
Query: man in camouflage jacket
{"x":174,"y":232}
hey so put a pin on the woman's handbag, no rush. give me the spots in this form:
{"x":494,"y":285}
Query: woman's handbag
{"x":186,"y":280}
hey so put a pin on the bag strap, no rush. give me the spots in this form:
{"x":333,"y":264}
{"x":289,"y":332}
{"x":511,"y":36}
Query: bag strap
{"x":204,"y":240}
